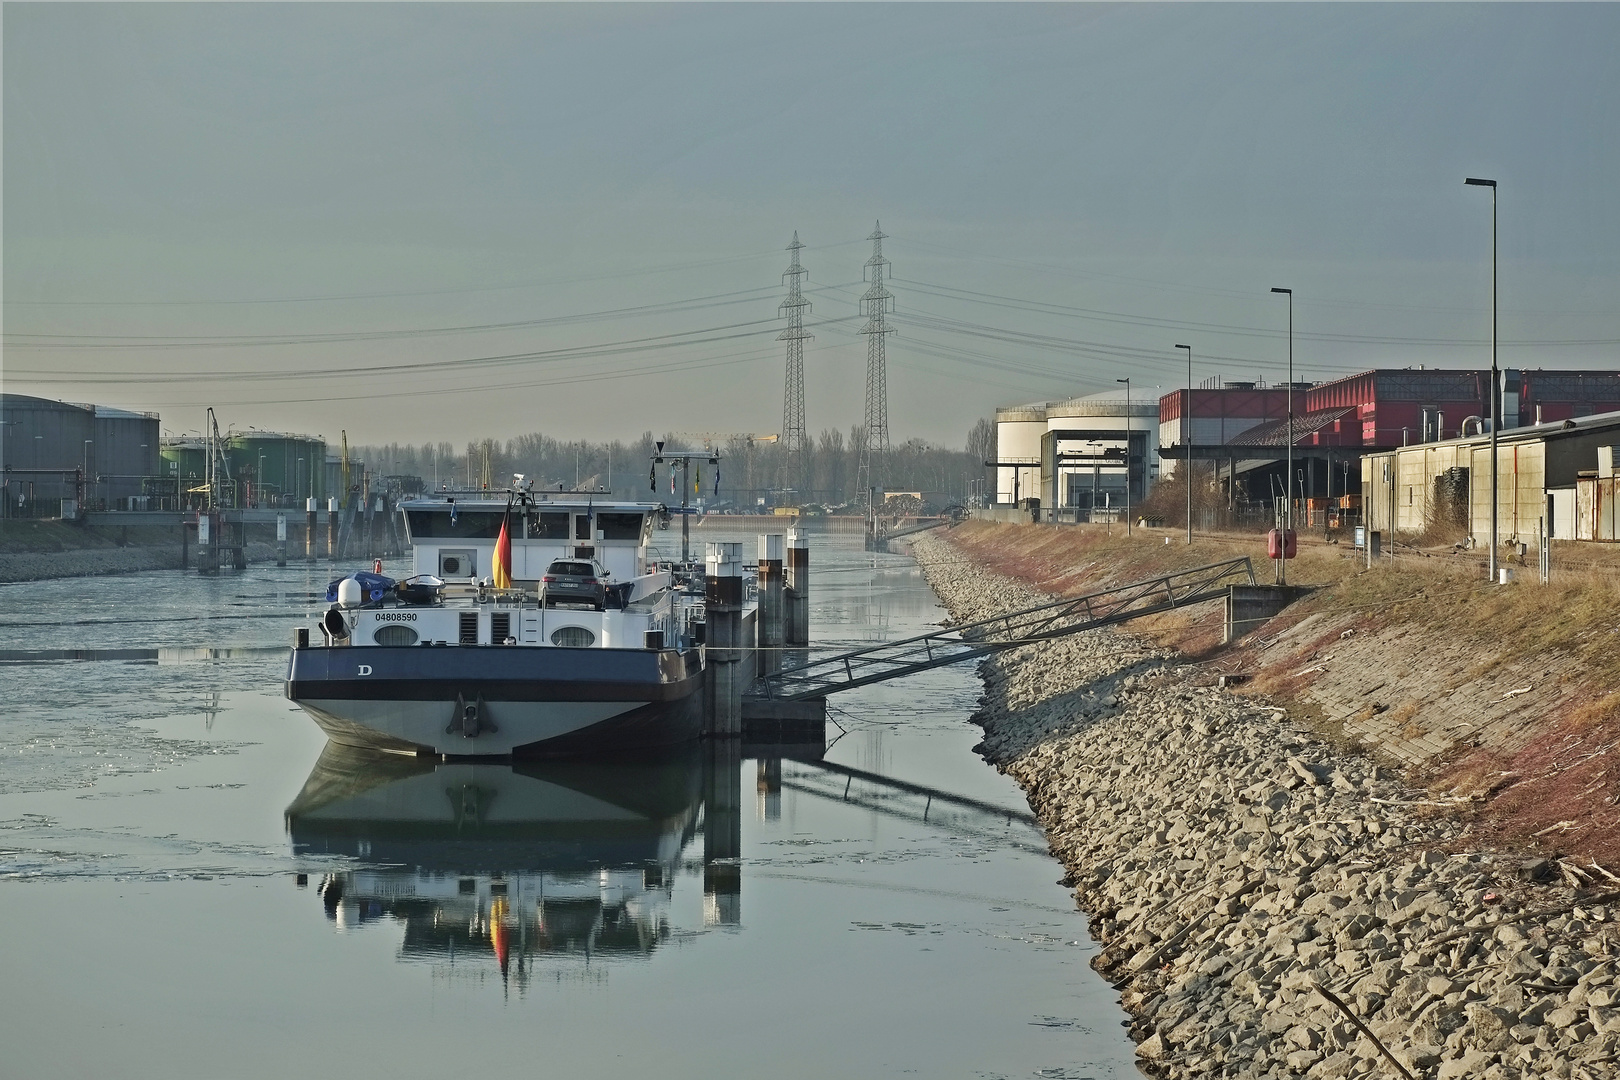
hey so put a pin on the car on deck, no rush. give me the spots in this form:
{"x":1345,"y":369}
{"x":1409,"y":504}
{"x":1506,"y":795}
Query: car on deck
{"x":574,"y":582}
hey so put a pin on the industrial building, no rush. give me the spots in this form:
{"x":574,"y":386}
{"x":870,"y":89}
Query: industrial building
{"x":59,"y":456}
{"x":262,"y":469}
{"x":1070,"y":455}
{"x":1542,"y":471}
{"x":1214,"y":415}
{"x":1240,"y":428}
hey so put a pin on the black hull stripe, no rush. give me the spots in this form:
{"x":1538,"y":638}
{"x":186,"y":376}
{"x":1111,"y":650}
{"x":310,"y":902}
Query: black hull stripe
{"x":447,"y":690}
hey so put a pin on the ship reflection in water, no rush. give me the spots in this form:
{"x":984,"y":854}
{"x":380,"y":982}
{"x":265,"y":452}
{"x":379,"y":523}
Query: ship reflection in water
{"x":515,"y":864}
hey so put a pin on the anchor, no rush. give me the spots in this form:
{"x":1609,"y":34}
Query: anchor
{"x":470,"y":719}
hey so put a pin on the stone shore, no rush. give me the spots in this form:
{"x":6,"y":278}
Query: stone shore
{"x":1269,"y":907}
{"x":91,"y":562}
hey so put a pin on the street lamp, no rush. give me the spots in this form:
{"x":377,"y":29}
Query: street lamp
{"x":1186,"y":441}
{"x":1288,"y":507}
{"x":1129,"y":524}
{"x":1474,"y":181}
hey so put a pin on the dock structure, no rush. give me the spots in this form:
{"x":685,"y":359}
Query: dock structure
{"x":1057,"y":618}
{"x":221,"y":539}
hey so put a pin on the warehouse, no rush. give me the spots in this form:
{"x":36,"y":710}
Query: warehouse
{"x":1539,"y":469}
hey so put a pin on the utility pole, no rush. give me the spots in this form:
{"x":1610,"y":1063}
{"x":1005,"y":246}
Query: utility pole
{"x":876,"y":303}
{"x":794,"y":436}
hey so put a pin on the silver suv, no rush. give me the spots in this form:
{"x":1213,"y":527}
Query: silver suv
{"x":574,"y":581}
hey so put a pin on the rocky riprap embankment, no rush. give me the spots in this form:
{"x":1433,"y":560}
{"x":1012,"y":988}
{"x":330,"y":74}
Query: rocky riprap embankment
{"x":90,"y":562}
{"x":1240,"y":875}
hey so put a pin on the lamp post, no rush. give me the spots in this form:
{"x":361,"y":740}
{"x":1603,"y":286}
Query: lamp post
{"x":1288,"y":507}
{"x":1129,"y":523}
{"x":1496,"y":381}
{"x":1186,"y":442}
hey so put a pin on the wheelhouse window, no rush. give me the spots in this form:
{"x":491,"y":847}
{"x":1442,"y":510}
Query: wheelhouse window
{"x":468,"y":525}
{"x":548,"y":525}
{"x":619,"y":526}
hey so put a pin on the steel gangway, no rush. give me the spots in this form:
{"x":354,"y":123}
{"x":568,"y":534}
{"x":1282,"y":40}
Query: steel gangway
{"x":953,"y":645}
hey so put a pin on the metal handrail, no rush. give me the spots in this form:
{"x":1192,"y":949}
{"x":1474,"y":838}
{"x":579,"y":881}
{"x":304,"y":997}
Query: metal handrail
{"x":1056,"y":618}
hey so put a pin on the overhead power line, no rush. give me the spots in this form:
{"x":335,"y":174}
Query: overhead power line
{"x":708,"y":335}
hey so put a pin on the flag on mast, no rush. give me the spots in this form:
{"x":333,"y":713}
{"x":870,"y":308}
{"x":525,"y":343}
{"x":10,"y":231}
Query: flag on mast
{"x":503,"y":553}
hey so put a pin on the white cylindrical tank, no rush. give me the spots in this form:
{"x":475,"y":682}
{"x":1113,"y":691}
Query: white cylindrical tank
{"x":1018,"y":439}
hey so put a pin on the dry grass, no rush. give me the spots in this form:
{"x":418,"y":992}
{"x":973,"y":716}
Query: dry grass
{"x":1576,"y":612}
{"x":1560,"y":778}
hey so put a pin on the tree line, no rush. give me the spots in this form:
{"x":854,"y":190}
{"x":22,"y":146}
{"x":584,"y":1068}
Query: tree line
{"x":750,"y":473}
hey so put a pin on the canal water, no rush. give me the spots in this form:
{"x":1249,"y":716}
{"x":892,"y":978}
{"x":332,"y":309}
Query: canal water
{"x":193,"y":884}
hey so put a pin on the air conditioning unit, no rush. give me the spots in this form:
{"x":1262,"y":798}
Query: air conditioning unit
{"x":458,"y":563}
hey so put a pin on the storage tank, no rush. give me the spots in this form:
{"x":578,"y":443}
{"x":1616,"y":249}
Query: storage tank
{"x":125,"y":457}
{"x":184,"y":467}
{"x":276,"y":468}
{"x":1018,"y":439}
{"x":42,"y":444}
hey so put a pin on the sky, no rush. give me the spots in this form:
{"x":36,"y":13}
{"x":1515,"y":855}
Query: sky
{"x":450,"y":222}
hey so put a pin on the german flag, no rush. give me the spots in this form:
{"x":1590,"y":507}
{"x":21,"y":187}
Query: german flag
{"x":503,"y":553}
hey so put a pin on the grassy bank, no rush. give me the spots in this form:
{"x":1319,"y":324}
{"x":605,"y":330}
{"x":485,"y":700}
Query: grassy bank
{"x":1503,"y":701}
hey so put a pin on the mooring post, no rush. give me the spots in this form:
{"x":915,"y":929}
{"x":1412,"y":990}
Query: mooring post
{"x":770,"y":602}
{"x":723,"y":603}
{"x":722,"y":832}
{"x":331,"y":529}
{"x":206,"y":557}
{"x":309,"y":529}
{"x":281,"y":539}
{"x":797,"y":595}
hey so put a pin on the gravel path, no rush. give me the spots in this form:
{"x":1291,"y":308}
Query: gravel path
{"x":1267,"y":905}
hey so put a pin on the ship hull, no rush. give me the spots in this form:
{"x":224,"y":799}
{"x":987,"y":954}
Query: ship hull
{"x":499,"y":701}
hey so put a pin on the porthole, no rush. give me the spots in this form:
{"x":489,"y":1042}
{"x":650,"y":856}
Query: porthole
{"x":394,"y":634}
{"x":572,"y":637}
